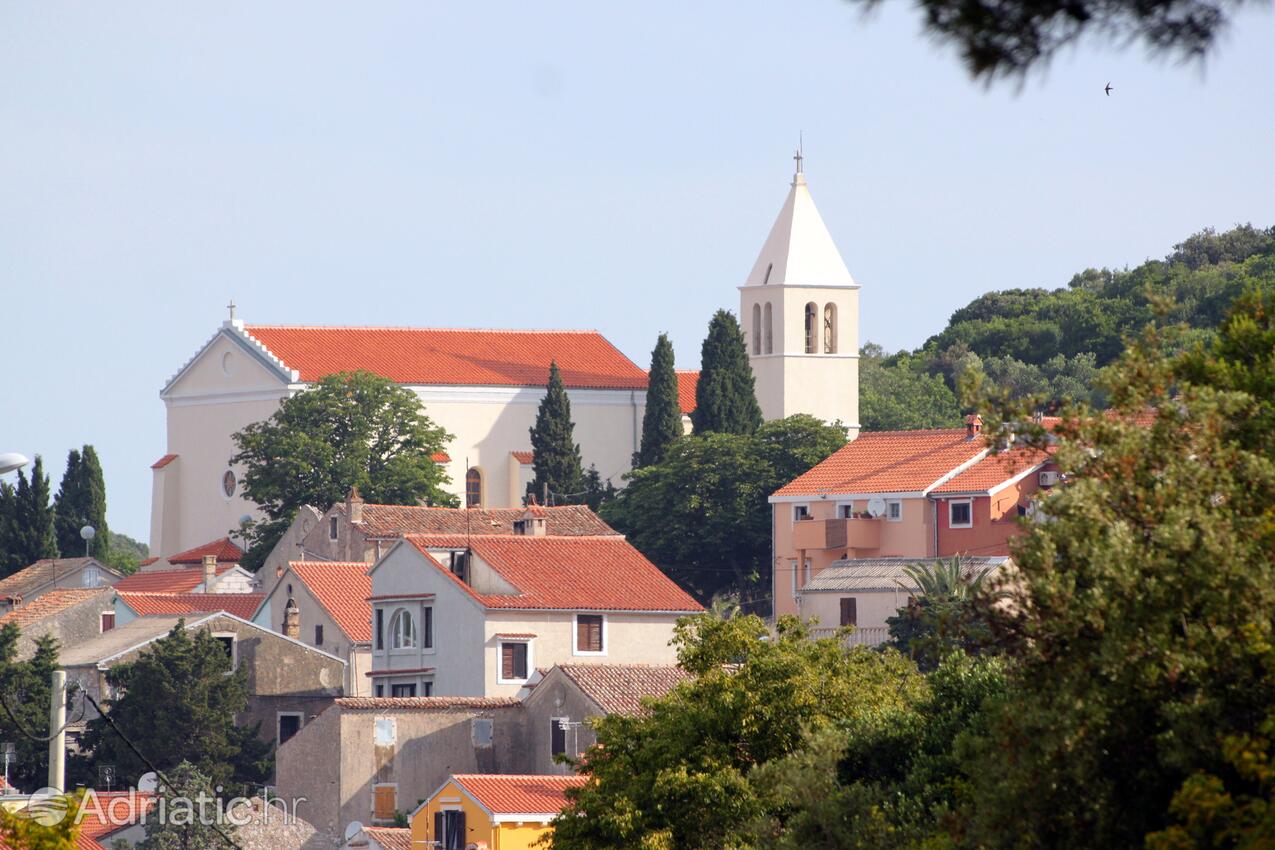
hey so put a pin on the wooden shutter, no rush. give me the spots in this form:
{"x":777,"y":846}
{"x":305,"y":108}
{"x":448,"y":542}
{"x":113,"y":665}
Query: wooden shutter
{"x":849,"y":611}
{"x":589,"y":632}
{"x":438,"y":828}
{"x":384,"y":802}
{"x":507,"y":661}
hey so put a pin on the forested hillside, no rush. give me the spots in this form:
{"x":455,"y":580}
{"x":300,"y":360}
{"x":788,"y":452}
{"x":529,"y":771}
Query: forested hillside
{"x":1051,"y":343}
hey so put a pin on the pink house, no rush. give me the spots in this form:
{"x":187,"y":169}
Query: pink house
{"x":898,"y":495}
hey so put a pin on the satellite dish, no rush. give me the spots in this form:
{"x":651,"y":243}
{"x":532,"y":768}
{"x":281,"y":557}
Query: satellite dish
{"x":12,"y":461}
{"x":148,"y":782}
{"x":352,"y":830}
{"x":876,"y":506}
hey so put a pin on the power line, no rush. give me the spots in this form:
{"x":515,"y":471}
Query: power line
{"x":44,"y":739}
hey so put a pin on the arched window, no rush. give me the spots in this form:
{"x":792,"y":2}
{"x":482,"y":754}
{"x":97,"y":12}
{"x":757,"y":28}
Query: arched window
{"x":830,"y":328}
{"x":474,"y":488}
{"x":768,"y":331}
{"x":402,"y":630}
{"x":756,"y":329}
{"x":811,"y":316}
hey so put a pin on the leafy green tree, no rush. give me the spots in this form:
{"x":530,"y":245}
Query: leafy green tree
{"x":884,"y":779}
{"x":1008,"y":39}
{"x":725,"y":397}
{"x":126,"y":553}
{"x":702,"y":513}
{"x":350,"y":429}
{"x":1141,"y":640}
{"x":81,"y":501}
{"x":678,"y":775}
{"x":24,"y":686}
{"x":662,"y":421}
{"x":948,"y":615}
{"x":190,"y":790}
{"x":898,"y":394}
{"x":557,"y":467}
{"x":22,"y":829}
{"x":178,"y":701}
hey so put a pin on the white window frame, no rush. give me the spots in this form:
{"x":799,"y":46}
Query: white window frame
{"x":951,"y":504}
{"x":112,"y":615}
{"x":842,"y":507}
{"x":528,"y":642}
{"x":575,"y":636}
{"x":566,"y":747}
{"x":890,"y":503}
{"x":395,"y":618}
{"x":799,"y":510}
{"x":279,"y":715}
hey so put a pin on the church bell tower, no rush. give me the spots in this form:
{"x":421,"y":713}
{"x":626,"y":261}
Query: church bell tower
{"x":799,"y":309}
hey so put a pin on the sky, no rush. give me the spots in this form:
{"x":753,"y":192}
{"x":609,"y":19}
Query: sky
{"x":562,"y":164}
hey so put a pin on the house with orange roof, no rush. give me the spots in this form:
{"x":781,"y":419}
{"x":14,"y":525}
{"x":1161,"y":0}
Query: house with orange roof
{"x":67,"y":614}
{"x":475,"y":615}
{"x":501,"y":812}
{"x":909,"y":495}
{"x":331,"y":612}
{"x":29,"y":583}
{"x":210,"y":576}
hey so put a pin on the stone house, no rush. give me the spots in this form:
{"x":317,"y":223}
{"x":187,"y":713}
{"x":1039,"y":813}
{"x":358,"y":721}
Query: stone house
{"x":289,"y":683}
{"x":71,"y":615}
{"x":364,"y":759}
{"x":333,"y":613}
{"x":559,"y":706}
{"x":29,"y":583}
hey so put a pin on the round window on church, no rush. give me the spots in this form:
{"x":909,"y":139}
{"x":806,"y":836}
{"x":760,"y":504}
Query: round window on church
{"x":228,"y":483}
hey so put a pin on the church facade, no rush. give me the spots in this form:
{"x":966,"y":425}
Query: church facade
{"x":798,"y":308}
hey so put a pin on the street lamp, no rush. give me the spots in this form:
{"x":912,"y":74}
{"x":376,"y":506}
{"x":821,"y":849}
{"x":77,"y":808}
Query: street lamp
{"x":87,"y":533}
{"x":11,"y":462}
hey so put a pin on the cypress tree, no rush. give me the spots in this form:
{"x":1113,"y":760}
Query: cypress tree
{"x":10,"y":557}
{"x":725,"y":399}
{"x":662,"y":422}
{"x":81,"y":501}
{"x":557,"y":464}
{"x":35,"y":535}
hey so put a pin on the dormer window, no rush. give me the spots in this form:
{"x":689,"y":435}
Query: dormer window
{"x":91,"y":577}
{"x":460,"y":566}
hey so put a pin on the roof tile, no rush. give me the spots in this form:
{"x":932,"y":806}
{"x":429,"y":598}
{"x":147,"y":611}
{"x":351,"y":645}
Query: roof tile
{"x":566,"y":573}
{"x":888,"y":462}
{"x":390,"y":837}
{"x":424,"y":703}
{"x":53,"y":602}
{"x":453,"y":357}
{"x":242,"y":605}
{"x":687,"y":381}
{"x":397,"y":520}
{"x":163,"y":461}
{"x":995,"y":469}
{"x":342,"y":588}
{"x":511,"y":794}
{"x":180,"y":580}
{"x":42,"y":572}
{"x":225,"y":550}
{"x":619,"y":688}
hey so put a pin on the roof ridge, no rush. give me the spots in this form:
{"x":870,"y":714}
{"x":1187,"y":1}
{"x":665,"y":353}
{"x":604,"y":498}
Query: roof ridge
{"x":583,"y":331}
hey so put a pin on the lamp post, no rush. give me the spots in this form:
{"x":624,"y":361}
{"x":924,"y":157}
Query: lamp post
{"x":87,"y":533}
{"x":12,"y":462}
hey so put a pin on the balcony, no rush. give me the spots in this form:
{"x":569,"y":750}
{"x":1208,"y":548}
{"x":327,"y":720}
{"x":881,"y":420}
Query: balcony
{"x":859,"y":533}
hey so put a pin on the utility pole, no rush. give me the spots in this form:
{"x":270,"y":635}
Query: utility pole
{"x":57,"y":728}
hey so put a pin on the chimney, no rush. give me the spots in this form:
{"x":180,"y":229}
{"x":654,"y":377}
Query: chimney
{"x":354,"y":505}
{"x":973,"y":426}
{"x":532,"y":522}
{"x":210,"y":572}
{"x":292,"y":620}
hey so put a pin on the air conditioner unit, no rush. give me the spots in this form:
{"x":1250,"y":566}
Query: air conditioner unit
{"x":1050,"y":478}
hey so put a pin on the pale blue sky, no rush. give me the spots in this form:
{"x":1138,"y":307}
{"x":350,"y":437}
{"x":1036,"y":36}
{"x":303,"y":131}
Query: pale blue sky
{"x":606,"y":165}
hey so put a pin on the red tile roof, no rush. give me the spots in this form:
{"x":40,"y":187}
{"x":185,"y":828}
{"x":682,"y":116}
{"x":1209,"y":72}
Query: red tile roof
{"x":566,"y":573}
{"x":390,"y":837}
{"x":888,"y":462}
{"x":441,"y":457}
{"x":180,"y":580}
{"x":53,"y":602}
{"x":511,"y":794}
{"x":619,"y":688}
{"x":526,"y":458}
{"x":994,"y":470}
{"x":397,"y":520}
{"x":425,"y":703}
{"x":225,"y":550}
{"x":342,"y":588}
{"x":46,"y":571}
{"x":114,"y":811}
{"x":453,"y":357}
{"x":242,"y":605}
{"x":163,"y":461}
{"x":687,"y":381}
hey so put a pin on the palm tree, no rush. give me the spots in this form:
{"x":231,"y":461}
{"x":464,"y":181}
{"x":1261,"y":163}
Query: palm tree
{"x":947,"y":579}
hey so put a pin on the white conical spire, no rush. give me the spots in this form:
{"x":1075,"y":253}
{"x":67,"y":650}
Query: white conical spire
{"x":799,"y":250}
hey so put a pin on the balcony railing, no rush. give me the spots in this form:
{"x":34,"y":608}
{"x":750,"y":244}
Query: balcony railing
{"x":865,"y":636}
{"x":856,"y":533}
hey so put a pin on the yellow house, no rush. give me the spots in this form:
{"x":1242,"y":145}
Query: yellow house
{"x":474,"y":811}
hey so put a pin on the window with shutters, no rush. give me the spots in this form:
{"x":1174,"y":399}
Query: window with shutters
{"x":849,"y":611}
{"x":513,"y":661}
{"x":590,"y":634}
{"x":558,"y":735}
{"x":108,"y":620}
{"x":384,"y":802}
{"x":403,"y":690}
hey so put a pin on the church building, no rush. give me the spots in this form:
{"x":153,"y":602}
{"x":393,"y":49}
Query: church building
{"x":799,"y":309}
